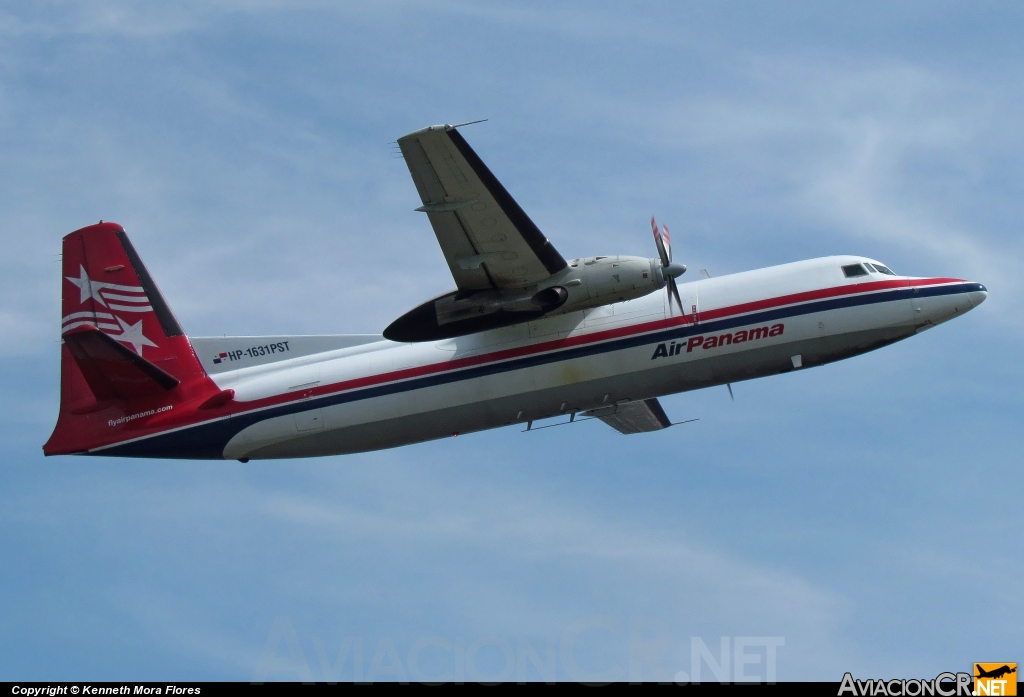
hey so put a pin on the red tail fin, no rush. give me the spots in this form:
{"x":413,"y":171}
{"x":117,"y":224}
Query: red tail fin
{"x":124,"y":353}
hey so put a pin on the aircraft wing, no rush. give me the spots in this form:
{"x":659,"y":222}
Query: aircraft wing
{"x":487,"y":239}
{"x":634,"y":417}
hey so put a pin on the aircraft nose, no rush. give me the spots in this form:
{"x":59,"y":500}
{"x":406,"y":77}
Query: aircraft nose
{"x":977,"y":295}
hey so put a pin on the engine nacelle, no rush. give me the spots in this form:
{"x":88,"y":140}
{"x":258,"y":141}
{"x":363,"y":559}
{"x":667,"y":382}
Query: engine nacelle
{"x":584,"y":284}
{"x":606,"y":280}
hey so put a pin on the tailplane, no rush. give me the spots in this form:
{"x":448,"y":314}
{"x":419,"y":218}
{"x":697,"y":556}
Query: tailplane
{"x":125,"y":362}
{"x":113,"y":371}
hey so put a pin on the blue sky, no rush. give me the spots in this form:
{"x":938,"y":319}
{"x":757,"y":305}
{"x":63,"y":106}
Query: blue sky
{"x":867,"y":512}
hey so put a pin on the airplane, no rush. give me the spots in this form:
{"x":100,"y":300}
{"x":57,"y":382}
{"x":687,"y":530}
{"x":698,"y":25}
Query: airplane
{"x":995,"y":673}
{"x":526,"y":335}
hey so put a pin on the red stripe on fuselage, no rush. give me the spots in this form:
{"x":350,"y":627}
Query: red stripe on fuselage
{"x":236,"y":408}
{"x":824,"y":293}
{"x":618,"y":333}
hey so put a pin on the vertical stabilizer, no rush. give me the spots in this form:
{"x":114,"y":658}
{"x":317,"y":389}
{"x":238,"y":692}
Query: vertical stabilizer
{"x":126,"y":365}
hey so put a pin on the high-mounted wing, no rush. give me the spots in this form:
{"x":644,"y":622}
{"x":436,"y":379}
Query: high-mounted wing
{"x":487,"y":239}
{"x":634,"y":417}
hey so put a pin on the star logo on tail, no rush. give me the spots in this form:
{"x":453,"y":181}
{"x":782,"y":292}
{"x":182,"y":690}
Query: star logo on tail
{"x":132,"y":334}
{"x":88,"y":288}
{"x":113,"y":296}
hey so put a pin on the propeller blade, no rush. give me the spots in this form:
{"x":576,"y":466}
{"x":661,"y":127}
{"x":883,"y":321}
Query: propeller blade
{"x":673,"y":292}
{"x":667,"y":241}
{"x":729,"y":385}
{"x":665,"y":261}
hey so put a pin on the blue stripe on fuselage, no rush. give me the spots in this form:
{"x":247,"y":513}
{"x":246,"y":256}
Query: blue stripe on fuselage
{"x":207,"y":440}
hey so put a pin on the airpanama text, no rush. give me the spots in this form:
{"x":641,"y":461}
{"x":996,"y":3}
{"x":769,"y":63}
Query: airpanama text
{"x":706,"y":342}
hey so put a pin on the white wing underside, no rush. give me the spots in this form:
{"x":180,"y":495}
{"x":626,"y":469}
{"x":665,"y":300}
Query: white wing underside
{"x":634,"y":417}
{"x":487,"y":239}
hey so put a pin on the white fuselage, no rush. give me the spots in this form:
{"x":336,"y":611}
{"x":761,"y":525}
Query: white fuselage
{"x":327,"y":395}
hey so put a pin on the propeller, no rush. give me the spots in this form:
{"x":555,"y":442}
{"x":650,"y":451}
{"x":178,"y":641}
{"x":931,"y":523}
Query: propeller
{"x":669,"y":269}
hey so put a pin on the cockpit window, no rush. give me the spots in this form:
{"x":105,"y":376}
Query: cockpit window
{"x":883,"y":269}
{"x":854,"y":270}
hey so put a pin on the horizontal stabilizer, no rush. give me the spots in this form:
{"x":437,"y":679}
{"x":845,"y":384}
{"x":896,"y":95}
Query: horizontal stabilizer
{"x":633,"y":417}
{"x":114,"y":371}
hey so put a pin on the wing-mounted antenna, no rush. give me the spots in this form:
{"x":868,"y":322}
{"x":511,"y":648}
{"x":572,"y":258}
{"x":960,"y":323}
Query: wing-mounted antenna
{"x":464,"y":123}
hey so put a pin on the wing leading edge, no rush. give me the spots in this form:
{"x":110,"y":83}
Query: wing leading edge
{"x":487,"y":239}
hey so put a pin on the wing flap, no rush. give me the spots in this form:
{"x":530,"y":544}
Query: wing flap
{"x":634,"y":417}
{"x":113,"y":371}
{"x":458,"y":245}
{"x":474,"y":216}
{"x":424,"y":177}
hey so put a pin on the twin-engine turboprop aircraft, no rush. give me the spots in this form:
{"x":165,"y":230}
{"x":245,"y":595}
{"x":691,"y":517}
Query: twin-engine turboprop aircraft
{"x":527,"y":335}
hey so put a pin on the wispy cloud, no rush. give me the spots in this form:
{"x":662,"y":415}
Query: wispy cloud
{"x":442,"y":524}
{"x":885,"y":153}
